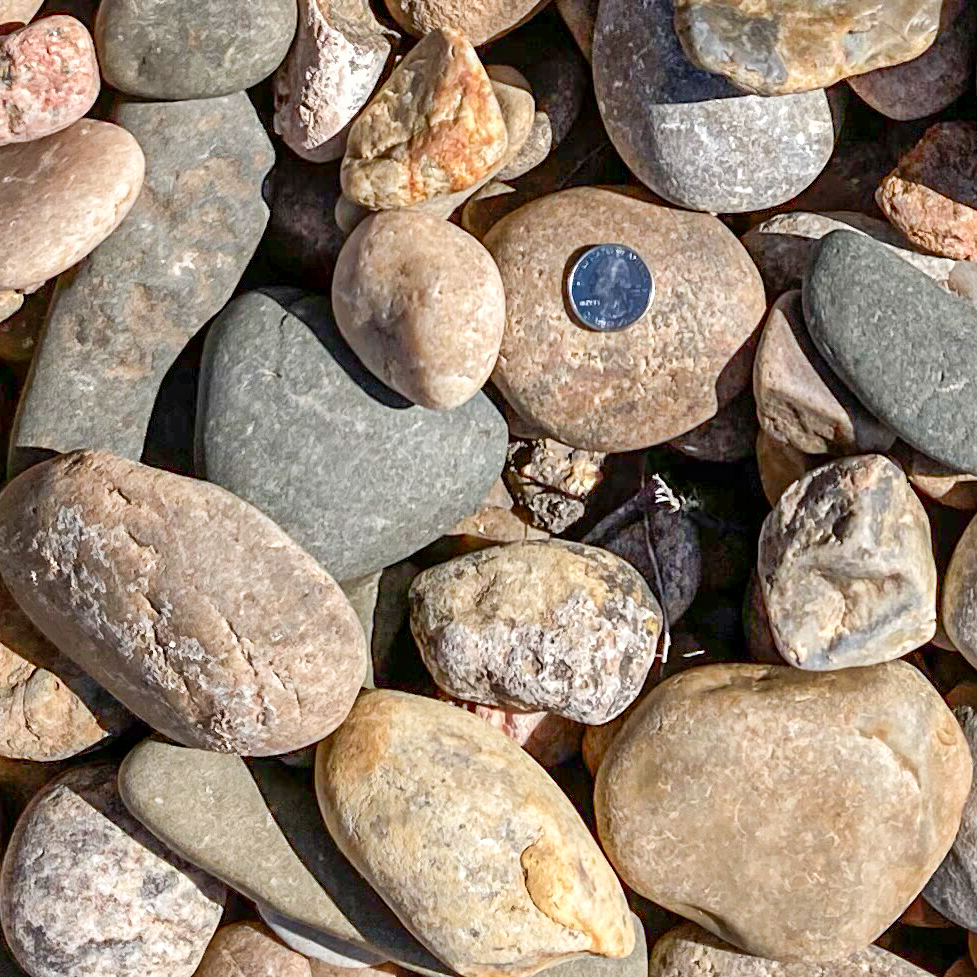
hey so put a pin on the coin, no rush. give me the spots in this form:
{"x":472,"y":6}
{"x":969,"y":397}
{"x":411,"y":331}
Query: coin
{"x":610,"y":287}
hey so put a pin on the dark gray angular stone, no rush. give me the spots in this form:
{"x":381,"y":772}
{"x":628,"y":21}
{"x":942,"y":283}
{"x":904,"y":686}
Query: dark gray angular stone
{"x":291,"y":421}
{"x":903,"y":345}
{"x":174,"y":49}
{"x":119,"y":319}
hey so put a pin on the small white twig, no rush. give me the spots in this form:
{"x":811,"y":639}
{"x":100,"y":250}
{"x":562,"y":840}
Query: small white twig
{"x":660,"y":487}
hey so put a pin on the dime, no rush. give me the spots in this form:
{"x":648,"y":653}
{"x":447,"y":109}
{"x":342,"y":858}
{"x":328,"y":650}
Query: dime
{"x":610,"y":288}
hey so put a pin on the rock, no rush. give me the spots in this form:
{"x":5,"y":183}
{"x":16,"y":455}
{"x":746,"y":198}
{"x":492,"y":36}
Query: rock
{"x":10,"y":303}
{"x":959,"y":599}
{"x":50,"y":78}
{"x":931,"y":195}
{"x":937,"y":78}
{"x":771,"y":50}
{"x":799,"y":401}
{"x":877,"y":747}
{"x":336,"y":60}
{"x":426,"y":324}
{"x":434,"y":128}
{"x":168,"y":49}
{"x":480,"y":22}
{"x":63,"y":195}
{"x":18,"y":11}
{"x":759,"y":638}
{"x":76,"y":840}
{"x":920,"y":913}
{"x":250,"y":950}
{"x":691,"y":136}
{"x":729,"y":436}
{"x":846,"y":567}
{"x":944,"y":485}
{"x":229,"y":637}
{"x":18,"y":334}
{"x":511,"y":879}
{"x":580,"y":17}
{"x":119,"y":321}
{"x":490,"y":525}
{"x":553,"y":626}
{"x":689,"y":355}
{"x":858,"y":296}
{"x":518,"y":108}
{"x":281,"y":394}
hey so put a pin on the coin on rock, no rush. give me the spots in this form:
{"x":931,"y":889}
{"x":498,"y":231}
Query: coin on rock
{"x":610,"y":287}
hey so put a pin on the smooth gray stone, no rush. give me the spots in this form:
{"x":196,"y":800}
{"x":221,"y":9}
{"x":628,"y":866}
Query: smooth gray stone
{"x":691,"y":136}
{"x":119,"y":318}
{"x":291,"y":421}
{"x":904,"y":346}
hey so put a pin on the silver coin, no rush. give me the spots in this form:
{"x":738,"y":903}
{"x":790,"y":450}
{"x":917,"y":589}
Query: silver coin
{"x":610,"y":287}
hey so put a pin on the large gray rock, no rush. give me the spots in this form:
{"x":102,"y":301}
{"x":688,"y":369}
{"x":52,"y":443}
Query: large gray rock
{"x":901,"y":344}
{"x":119,"y":319}
{"x":291,"y":421}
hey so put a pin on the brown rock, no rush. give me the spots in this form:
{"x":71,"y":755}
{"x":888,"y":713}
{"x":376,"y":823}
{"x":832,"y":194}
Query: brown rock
{"x":10,"y":302}
{"x":480,"y":854}
{"x":756,"y":624}
{"x":707,"y":792}
{"x":958,"y":490}
{"x":931,"y":195}
{"x":580,"y":17}
{"x":228,"y":636}
{"x":962,"y":968}
{"x":63,"y":195}
{"x":250,"y":950}
{"x":921,"y":914}
{"x":959,"y":600}
{"x":729,"y":436}
{"x":780,"y":465}
{"x":18,"y":333}
{"x":434,"y":128}
{"x":480,"y":22}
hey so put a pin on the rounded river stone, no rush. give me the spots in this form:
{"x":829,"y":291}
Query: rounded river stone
{"x":959,"y":601}
{"x":225,"y":635}
{"x":251,"y":950}
{"x":86,"y":891}
{"x":557,"y":626}
{"x":480,"y":22}
{"x":706,"y":795}
{"x":467,"y":839}
{"x":691,"y":136}
{"x":686,"y":357}
{"x":171,"y":49}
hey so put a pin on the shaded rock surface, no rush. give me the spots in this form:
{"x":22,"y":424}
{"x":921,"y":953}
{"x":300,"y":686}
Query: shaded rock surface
{"x":480,"y":22}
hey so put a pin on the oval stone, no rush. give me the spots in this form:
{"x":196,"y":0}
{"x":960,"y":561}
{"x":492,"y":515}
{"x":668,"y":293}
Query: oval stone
{"x":706,"y":794}
{"x":959,"y":607}
{"x":251,"y":950}
{"x":480,"y":22}
{"x":686,"y":357}
{"x":226,"y":635}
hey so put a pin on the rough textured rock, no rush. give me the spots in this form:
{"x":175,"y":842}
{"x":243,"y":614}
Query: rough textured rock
{"x":729,"y":436}
{"x":250,"y":950}
{"x":959,"y":599}
{"x":335,"y":62}
{"x":931,"y":195}
{"x":228,"y":636}
{"x":846,"y":567}
{"x":443,"y":783}
{"x":63,"y":195}
{"x":76,"y":839}
{"x":918,"y":381}
{"x":281,"y":395}
{"x":705,"y":794}
{"x":780,"y":47}
{"x":117,"y":323}
{"x":434,"y":128}
{"x":940,"y":483}
{"x":799,"y":401}
{"x":168,"y":49}
{"x":428,"y":327}
{"x":556,"y":626}
{"x":480,"y":22}
{"x":673,"y":369}
{"x":690,"y":135}
{"x":50,"y":78}
{"x":518,"y":108}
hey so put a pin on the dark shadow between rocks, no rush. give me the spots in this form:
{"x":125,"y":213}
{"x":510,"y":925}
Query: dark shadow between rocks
{"x":22,"y":457}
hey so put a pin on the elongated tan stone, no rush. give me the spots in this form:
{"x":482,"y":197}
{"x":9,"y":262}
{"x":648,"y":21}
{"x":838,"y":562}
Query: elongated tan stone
{"x":480,"y":21}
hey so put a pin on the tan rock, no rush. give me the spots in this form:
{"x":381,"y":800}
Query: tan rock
{"x":480,"y":854}
{"x":421,"y":303}
{"x":10,"y":302}
{"x":18,"y":11}
{"x":434,"y":128}
{"x":958,"y":490}
{"x":931,"y":195}
{"x":61,"y":196}
{"x":250,"y":950}
{"x":519,"y":111}
{"x":708,"y":794}
{"x":480,"y":22}
{"x":959,"y":600}
{"x":780,"y":465}
{"x":19,"y":332}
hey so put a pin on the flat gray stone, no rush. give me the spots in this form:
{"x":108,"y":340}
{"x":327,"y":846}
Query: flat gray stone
{"x":901,"y":344}
{"x":691,"y":136}
{"x":120,"y":317}
{"x":292,"y":422}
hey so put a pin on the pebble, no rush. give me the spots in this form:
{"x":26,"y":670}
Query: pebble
{"x":230,"y":637}
{"x":857,"y":296}
{"x":959,"y":599}
{"x":931,"y":195}
{"x":595,"y":390}
{"x":518,"y":109}
{"x":336,"y":60}
{"x":50,"y":78}
{"x":480,"y":22}
{"x":553,"y":626}
{"x":250,"y":950}
{"x":705,"y":795}
{"x":172,"y":49}
{"x":944,"y":485}
{"x":428,"y":328}
{"x":18,"y":11}
{"x":689,"y":135}
{"x":846,"y":567}
{"x":580,"y":17}
{"x":86,"y":891}
{"x":480,"y":854}
{"x":781,"y":48}
{"x":729,"y":436}
{"x":10,"y":303}
{"x":116,"y":325}
{"x":61,"y":196}
{"x":433,"y":129}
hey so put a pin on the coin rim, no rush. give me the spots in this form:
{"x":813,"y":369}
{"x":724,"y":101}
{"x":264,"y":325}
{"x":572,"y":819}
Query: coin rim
{"x":576,"y":265}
